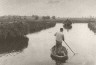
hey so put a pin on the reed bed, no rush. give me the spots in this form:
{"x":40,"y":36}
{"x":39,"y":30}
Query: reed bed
{"x":13,"y":34}
{"x":92,"y":26}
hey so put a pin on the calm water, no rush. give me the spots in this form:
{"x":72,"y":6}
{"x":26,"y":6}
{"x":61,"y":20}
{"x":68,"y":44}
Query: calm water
{"x":79,"y":38}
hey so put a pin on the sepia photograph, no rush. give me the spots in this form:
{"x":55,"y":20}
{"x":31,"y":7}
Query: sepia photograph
{"x":47,"y":32}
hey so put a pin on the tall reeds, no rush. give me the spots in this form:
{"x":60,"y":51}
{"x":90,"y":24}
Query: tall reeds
{"x":13,"y":34}
{"x":92,"y":26}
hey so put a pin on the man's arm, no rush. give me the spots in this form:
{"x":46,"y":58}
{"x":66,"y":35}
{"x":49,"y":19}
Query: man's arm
{"x":63,"y":37}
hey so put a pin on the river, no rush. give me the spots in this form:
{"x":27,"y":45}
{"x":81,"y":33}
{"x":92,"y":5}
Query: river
{"x":81,"y":40}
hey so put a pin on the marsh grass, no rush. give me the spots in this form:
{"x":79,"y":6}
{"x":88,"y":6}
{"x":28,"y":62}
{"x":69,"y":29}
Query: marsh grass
{"x":92,"y":26}
{"x":13,"y":34}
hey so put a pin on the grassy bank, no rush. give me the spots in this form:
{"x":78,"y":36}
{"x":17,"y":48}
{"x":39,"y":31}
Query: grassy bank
{"x":14,"y":29}
{"x":92,"y":26}
{"x":13,"y":33}
{"x":13,"y":44}
{"x":75,"y":20}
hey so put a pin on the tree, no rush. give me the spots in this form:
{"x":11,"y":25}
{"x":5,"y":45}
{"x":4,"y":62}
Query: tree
{"x":36,"y":17}
{"x":53,"y":17}
{"x":46,"y":17}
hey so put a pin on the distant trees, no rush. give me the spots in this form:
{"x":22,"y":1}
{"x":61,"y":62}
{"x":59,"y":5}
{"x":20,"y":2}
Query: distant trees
{"x":36,"y":17}
{"x":45,"y":17}
{"x":53,"y":17}
{"x":18,"y":18}
{"x":48,"y":17}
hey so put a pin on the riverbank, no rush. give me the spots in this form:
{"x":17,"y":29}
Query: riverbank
{"x":92,"y":26}
{"x":13,"y":34}
{"x":13,"y":44}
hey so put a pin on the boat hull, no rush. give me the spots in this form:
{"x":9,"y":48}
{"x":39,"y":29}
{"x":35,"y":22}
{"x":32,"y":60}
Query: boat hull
{"x":67,"y":27}
{"x":60,"y":59}
{"x":59,"y":53}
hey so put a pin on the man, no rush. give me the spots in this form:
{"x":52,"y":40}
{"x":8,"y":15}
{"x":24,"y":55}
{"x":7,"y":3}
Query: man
{"x":59,"y":37}
{"x":59,"y":52}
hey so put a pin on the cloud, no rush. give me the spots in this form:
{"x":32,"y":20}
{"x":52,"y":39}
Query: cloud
{"x":59,"y":1}
{"x":54,"y":1}
{"x":20,"y":2}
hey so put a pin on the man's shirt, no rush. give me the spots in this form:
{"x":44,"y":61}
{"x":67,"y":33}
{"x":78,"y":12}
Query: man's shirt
{"x":59,"y":36}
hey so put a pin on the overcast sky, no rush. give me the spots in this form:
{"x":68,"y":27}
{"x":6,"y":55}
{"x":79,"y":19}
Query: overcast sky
{"x":61,"y":8}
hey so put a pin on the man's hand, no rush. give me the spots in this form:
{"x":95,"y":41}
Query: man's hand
{"x":63,"y":38}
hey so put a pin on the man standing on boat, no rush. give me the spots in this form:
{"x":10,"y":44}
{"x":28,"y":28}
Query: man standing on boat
{"x":59,"y":37}
{"x":59,"y":52}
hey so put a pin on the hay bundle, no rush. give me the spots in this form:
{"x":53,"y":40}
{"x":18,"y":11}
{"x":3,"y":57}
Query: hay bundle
{"x":59,"y":53}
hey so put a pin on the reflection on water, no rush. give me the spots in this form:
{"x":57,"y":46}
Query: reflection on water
{"x":79,"y":38}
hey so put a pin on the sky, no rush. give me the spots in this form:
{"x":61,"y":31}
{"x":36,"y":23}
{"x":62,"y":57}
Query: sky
{"x":59,"y":8}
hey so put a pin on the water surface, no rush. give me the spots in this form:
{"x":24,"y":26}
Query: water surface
{"x":79,"y":38}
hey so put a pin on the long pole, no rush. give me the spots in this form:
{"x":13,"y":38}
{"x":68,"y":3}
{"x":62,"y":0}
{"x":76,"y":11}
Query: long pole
{"x":69,"y":47}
